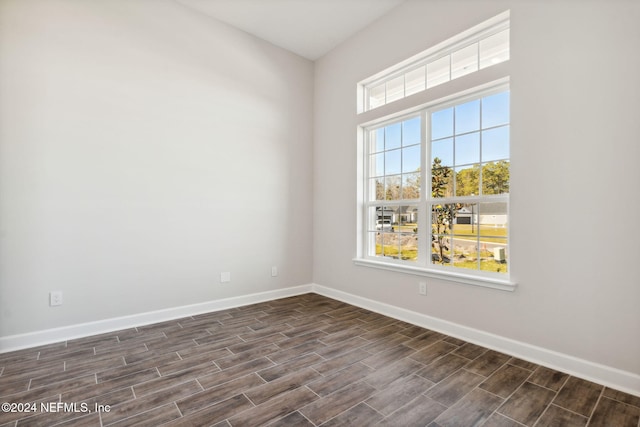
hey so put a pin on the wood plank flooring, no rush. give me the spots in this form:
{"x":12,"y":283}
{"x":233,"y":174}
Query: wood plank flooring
{"x":301,"y":361}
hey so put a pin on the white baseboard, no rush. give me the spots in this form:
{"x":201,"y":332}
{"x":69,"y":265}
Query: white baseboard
{"x":49,"y":336}
{"x":627,"y":382}
{"x":620,"y":380}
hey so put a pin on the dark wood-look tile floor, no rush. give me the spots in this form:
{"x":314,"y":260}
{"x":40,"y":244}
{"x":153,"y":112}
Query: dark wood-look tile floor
{"x":300,"y":361}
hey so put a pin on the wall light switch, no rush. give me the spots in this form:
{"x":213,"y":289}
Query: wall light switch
{"x":225,"y":277}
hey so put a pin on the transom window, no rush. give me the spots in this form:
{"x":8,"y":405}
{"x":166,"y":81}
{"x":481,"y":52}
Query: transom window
{"x":480,"y":47}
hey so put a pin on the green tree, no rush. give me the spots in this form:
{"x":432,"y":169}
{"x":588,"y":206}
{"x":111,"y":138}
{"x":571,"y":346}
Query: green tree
{"x":467,"y":181}
{"x":495,"y":177}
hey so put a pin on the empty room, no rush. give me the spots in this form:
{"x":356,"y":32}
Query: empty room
{"x":319,"y":213}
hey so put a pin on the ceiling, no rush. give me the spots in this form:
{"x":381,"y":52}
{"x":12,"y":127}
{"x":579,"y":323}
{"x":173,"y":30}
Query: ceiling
{"x":309,"y":28}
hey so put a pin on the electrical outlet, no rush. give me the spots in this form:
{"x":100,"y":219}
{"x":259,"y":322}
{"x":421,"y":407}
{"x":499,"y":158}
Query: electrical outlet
{"x":274,"y":271}
{"x":225,"y":277}
{"x":422,"y":288}
{"x":55,"y":298}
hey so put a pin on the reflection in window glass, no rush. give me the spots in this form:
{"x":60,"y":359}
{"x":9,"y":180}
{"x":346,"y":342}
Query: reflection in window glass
{"x":464,"y":61}
{"x":395,"y":89}
{"x":376,"y":96}
{"x":438,"y":72}
{"x":494,"y":49}
{"x":414,"y":81}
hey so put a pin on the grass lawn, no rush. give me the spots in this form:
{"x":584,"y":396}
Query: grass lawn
{"x":485,"y":265}
{"x":392,"y":251}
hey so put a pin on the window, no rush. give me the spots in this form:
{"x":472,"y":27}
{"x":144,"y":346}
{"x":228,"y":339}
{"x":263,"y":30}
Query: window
{"x":435,"y":178}
{"x":468,"y":148}
{"x":478,"y":48}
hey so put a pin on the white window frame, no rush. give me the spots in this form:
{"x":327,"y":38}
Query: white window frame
{"x":472,"y":86}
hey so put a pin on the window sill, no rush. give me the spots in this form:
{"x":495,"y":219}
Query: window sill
{"x":487,"y":282}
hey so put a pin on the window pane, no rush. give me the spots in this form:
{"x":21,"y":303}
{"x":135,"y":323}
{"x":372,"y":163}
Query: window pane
{"x":383,"y":217}
{"x":376,"y":140}
{"x":411,"y":131}
{"x":376,"y":96}
{"x":495,"y":177}
{"x":467,"y":117}
{"x":395,"y":89}
{"x":464,"y":61}
{"x":411,"y":159}
{"x":493,"y":256}
{"x":377,"y":164}
{"x":442,"y":217}
{"x":392,"y":162}
{"x":465,"y":222}
{"x":493,"y":219}
{"x":392,"y":136}
{"x":414,"y":81}
{"x":408,"y":247}
{"x":438,"y":72}
{"x":411,"y":186}
{"x":440,"y":249}
{"x":376,"y":188}
{"x":406,"y":223}
{"x":494,"y":49}
{"x":495,"y":110}
{"x":443,"y":150}
{"x":467,"y":148}
{"x":392,"y":188}
{"x":441,"y":181}
{"x":466,"y":252}
{"x":495,"y":144}
{"x":388,"y":243}
{"x":467,"y":181}
{"x":442,"y":124}
{"x":372,"y":218}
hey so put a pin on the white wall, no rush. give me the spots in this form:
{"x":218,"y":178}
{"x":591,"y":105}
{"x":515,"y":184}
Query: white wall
{"x":575,"y":175}
{"x":145,"y":148}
